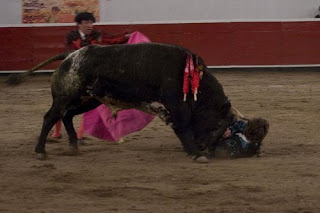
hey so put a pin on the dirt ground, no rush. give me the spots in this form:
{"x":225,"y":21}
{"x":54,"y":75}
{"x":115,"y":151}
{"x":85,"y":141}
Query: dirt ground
{"x":151,"y":173}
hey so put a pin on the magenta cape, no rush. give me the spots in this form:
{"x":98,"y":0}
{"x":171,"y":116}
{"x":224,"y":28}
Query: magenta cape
{"x":100,"y":123}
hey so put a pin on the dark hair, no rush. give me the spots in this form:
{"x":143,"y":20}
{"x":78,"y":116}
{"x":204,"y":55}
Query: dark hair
{"x":84,"y":16}
{"x":256,"y":129}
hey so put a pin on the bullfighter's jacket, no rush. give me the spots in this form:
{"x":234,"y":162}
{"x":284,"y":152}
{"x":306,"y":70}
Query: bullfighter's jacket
{"x":74,"y":41}
{"x":237,"y":145}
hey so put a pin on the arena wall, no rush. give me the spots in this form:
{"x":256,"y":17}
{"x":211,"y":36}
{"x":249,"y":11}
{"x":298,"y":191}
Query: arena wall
{"x":274,"y":43}
{"x":226,"y":33}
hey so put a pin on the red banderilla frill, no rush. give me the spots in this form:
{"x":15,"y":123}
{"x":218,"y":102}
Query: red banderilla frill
{"x":191,"y":75}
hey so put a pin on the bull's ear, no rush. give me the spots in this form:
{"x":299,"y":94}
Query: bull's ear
{"x":200,"y":67}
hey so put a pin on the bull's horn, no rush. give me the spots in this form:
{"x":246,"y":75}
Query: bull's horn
{"x":239,"y":114}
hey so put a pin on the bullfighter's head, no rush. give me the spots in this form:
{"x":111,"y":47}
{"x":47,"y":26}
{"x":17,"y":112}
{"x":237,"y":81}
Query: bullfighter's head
{"x":256,"y":130}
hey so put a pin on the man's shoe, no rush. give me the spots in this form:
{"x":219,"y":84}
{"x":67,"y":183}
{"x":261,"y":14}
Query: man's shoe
{"x":121,"y":140}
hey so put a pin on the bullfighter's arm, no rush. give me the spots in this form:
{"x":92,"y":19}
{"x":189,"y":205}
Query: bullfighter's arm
{"x":115,"y":39}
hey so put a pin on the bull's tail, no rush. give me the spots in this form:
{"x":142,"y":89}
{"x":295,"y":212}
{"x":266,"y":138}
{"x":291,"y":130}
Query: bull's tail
{"x":15,"y":79}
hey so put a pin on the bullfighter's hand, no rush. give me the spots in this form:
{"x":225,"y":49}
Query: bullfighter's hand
{"x":227,"y":133}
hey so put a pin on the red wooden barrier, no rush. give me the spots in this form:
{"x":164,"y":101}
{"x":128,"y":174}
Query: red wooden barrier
{"x":220,"y":44}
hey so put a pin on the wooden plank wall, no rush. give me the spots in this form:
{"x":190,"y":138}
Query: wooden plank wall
{"x":220,"y":44}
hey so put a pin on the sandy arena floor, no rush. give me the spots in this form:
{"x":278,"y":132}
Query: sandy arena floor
{"x":150,"y":173}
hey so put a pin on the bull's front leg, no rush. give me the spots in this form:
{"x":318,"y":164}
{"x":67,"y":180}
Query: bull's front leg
{"x":217,"y":134}
{"x":209,"y":140}
{"x":182,"y":126}
{"x":186,"y":137}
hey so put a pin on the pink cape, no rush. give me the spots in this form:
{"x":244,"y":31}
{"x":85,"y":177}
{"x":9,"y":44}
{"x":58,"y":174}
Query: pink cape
{"x":100,"y":123}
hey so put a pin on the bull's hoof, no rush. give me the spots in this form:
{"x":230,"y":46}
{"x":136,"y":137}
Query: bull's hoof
{"x":41,"y":156}
{"x":201,"y":159}
{"x":72,"y":151}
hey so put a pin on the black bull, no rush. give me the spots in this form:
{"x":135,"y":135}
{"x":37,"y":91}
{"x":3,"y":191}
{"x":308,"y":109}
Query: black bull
{"x":138,"y":74}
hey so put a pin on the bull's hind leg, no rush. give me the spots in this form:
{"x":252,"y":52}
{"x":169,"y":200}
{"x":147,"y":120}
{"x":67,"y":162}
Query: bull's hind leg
{"x":49,"y":119}
{"x":72,"y":135}
{"x":68,"y":122}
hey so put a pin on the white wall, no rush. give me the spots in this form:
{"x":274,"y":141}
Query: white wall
{"x":164,"y":10}
{"x":10,"y":11}
{"x":180,"y":10}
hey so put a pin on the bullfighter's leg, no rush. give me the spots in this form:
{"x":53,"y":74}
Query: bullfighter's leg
{"x":49,"y":119}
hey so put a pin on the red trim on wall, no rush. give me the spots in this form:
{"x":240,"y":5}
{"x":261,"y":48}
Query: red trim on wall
{"x":220,"y":44}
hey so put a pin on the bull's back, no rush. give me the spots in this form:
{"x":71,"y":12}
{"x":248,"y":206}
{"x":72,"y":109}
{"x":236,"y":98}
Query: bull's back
{"x":139,"y":62}
{"x":134,"y":72}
